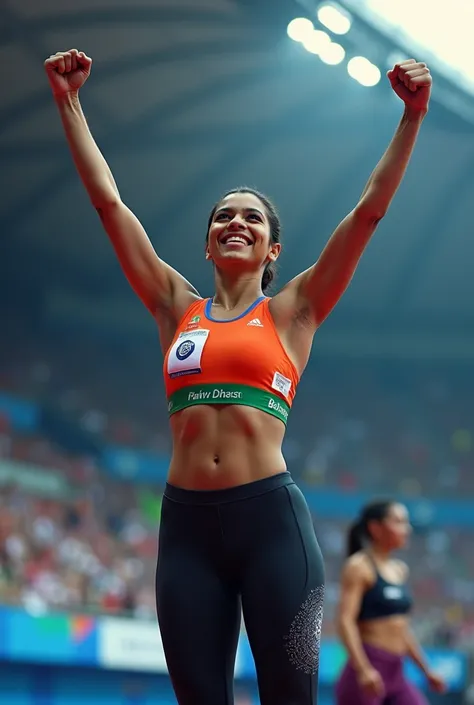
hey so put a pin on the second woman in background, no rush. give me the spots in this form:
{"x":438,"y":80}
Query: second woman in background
{"x":373,"y":614}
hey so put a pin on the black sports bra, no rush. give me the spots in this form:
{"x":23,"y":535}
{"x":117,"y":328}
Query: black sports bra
{"x":385,"y":599}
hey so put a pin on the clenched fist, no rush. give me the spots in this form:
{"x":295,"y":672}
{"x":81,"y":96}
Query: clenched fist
{"x":412,"y":81}
{"x":67,"y":71}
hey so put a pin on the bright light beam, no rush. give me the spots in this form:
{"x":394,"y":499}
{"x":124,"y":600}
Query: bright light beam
{"x":364,"y":71}
{"x":332,"y":54}
{"x":316,"y":42}
{"x":438,"y":33}
{"x":334,"y":18}
{"x":300,"y":29}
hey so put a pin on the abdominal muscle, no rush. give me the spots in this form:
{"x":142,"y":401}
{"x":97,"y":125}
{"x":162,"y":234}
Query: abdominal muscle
{"x":222,"y":446}
{"x":388,"y":633}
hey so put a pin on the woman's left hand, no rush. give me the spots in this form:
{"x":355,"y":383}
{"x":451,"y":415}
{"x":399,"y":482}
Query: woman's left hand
{"x":436,"y":683}
{"x":412,"y":81}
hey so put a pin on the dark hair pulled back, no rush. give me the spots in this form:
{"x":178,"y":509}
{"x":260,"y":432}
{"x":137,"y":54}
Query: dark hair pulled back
{"x":269,"y":272}
{"x":358,"y":532}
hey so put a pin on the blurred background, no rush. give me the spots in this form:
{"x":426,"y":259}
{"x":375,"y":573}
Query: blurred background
{"x":187,"y":99}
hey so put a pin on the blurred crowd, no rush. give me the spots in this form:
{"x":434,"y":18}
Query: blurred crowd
{"x":92,"y":546}
{"x":377,"y":426}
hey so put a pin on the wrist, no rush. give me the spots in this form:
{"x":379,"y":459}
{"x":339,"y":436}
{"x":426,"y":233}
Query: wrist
{"x":361,"y":668}
{"x":68,"y":98}
{"x":414,"y":114}
{"x":423,"y":667}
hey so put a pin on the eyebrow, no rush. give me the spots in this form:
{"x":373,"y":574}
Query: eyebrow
{"x":247,"y":210}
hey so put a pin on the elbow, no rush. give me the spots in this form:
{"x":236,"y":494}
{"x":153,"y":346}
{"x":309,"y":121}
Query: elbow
{"x":103,"y":194}
{"x":106,"y":203}
{"x":371,"y":212}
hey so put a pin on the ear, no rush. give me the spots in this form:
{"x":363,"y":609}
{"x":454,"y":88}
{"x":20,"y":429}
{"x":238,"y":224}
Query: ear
{"x":208,"y":254}
{"x":274,"y":253}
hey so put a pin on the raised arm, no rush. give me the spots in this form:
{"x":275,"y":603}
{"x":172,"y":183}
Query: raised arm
{"x":158,"y":285}
{"x":316,"y":291}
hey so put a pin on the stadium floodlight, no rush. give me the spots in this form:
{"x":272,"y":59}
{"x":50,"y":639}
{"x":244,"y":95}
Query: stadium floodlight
{"x":300,"y":29}
{"x":316,"y":42}
{"x":387,"y":31}
{"x":364,"y":71}
{"x":335,"y":18}
{"x":332,"y":54}
{"x":429,"y":31}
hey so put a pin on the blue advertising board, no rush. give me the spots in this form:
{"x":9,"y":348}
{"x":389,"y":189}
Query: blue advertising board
{"x":113,"y":643}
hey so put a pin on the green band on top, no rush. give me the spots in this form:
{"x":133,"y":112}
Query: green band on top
{"x":229,"y":394}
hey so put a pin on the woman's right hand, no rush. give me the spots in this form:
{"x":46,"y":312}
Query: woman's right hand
{"x":67,"y":71}
{"x":371,"y":682}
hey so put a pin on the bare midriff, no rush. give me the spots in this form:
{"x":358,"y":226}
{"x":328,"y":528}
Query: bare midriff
{"x":222,"y":446}
{"x":388,"y":633}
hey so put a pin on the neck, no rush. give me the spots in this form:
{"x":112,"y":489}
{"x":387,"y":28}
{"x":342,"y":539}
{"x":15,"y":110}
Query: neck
{"x":379,"y":553}
{"x":233,"y":292}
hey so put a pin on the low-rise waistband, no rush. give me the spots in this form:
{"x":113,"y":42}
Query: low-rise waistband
{"x":230,"y":494}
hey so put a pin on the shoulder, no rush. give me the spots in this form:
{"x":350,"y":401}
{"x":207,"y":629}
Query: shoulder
{"x":358,"y":569}
{"x":402,"y":567}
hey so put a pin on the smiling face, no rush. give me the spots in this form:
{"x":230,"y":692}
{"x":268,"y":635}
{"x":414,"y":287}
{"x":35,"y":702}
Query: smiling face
{"x":240,"y":234}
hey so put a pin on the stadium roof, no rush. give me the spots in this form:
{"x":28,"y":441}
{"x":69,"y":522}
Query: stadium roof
{"x":187,"y":99}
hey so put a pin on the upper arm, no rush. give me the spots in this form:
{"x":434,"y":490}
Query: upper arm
{"x":158,"y":285}
{"x":316,"y":291}
{"x":353,"y":585}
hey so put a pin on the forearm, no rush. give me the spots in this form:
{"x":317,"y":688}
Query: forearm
{"x":91,"y":165}
{"x":350,"y":637}
{"x":415,"y":652}
{"x":388,"y":174}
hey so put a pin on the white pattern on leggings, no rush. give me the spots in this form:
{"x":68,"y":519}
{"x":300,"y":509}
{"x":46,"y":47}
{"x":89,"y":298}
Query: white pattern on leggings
{"x":304,"y":638}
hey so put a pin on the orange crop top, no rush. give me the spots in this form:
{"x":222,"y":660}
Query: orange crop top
{"x":239,"y":361}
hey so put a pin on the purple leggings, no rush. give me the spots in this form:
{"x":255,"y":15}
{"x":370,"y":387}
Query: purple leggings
{"x":398,"y":690}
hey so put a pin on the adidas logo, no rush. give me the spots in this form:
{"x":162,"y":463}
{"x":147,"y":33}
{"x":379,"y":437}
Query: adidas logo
{"x":255,"y":322}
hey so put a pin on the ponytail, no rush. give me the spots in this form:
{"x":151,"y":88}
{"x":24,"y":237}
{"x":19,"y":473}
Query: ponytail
{"x":359,"y":530}
{"x":355,"y":537}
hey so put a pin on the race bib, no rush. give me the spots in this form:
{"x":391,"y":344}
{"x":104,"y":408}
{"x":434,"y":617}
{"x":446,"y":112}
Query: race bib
{"x":185,"y":355}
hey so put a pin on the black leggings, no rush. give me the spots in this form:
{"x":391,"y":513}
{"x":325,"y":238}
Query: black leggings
{"x":251,"y":547}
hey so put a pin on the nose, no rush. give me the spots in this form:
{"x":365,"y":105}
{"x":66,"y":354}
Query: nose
{"x":236,"y":223}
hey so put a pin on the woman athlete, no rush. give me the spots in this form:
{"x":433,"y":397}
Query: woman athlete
{"x":235,"y":530}
{"x":373,"y":613}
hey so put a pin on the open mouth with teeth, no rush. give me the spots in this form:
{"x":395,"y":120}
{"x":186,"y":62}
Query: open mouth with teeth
{"x":234,"y":239}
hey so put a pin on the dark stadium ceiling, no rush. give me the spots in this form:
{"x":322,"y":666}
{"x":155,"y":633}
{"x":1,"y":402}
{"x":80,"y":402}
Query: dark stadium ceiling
{"x":190,"y":97}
